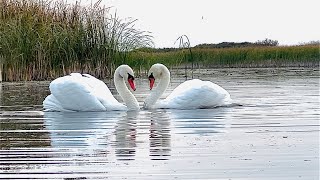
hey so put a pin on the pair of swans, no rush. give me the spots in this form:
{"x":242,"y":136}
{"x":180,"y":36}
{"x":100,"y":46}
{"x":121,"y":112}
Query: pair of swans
{"x":83,"y":92}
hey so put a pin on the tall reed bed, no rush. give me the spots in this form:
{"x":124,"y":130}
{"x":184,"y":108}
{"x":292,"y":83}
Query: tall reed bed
{"x":276,"y":56}
{"x":42,"y":39}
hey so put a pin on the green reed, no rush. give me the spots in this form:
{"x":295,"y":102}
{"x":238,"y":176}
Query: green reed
{"x":42,"y":40}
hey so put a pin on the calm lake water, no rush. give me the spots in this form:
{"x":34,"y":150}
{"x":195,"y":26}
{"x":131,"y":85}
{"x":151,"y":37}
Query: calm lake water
{"x":273,"y":135}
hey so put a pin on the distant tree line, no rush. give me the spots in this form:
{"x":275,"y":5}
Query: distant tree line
{"x":259,"y":43}
{"x":265,"y":42}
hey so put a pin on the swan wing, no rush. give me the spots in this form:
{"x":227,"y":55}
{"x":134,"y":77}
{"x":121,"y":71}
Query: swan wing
{"x":52,"y":104}
{"x":194,"y":94}
{"x":77,"y":92}
{"x":74,"y":93}
{"x":101,"y":91}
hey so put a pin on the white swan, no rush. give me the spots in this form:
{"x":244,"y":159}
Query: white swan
{"x":77,"y":92}
{"x":191,"y":94}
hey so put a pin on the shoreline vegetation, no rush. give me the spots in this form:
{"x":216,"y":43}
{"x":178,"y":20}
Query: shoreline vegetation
{"x":42,"y":40}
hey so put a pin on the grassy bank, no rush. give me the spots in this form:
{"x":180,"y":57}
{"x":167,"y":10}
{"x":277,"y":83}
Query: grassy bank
{"x":276,"y":56}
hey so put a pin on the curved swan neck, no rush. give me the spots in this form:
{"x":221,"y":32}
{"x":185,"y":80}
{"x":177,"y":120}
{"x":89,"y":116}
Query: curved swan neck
{"x":160,"y":89}
{"x":124,"y":92}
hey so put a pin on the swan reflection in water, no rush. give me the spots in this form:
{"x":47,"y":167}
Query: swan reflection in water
{"x":91,"y":131}
{"x":125,"y":136}
{"x":201,"y":122}
{"x":95,"y":133}
{"x":130,"y":134}
{"x":159,"y":137}
{"x":126,"y":132}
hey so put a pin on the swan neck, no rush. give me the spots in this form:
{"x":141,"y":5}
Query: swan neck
{"x":127,"y":97}
{"x":159,"y":90}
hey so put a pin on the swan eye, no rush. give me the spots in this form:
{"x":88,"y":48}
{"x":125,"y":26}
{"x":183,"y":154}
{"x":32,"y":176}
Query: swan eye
{"x":151,"y":76}
{"x":130,"y":76}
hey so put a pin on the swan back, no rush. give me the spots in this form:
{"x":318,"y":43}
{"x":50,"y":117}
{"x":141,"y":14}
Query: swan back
{"x":76,"y":93}
{"x":103,"y":94}
{"x":195,"y":94}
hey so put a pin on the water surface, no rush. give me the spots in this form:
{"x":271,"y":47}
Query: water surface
{"x":273,"y":135}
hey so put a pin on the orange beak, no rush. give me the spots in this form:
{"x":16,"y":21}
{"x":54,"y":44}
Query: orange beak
{"x":131,"y":83}
{"x":151,"y":82}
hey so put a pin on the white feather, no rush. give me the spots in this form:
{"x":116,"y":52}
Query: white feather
{"x":192,"y":94}
{"x":77,"y":92}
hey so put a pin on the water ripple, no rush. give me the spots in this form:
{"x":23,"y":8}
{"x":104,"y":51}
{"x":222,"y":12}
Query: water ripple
{"x":274,"y":134}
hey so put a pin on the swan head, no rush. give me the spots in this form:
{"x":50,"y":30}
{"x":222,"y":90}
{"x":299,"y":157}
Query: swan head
{"x":157,"y":71}
{"x":125,"y":72}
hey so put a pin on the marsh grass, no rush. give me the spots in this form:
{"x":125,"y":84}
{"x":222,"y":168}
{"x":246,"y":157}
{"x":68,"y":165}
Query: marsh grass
{"x":42,"y":40}
{"x":275,"y":56}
